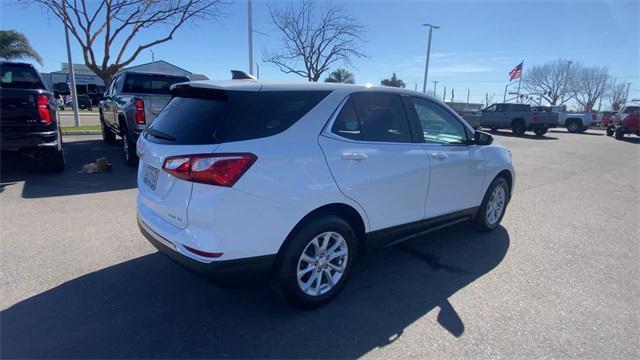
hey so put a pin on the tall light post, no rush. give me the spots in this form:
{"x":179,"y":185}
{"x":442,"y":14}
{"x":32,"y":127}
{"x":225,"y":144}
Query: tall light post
{"x":250,"y":28}
{"x":72,"y":73}
{"x":435,"y":83}
{"x":426,"y":65}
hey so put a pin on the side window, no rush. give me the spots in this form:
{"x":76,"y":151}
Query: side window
{"x":346,"y":123}
{"x":501,"y":108}
{"x":438,"y":125}
{"x":491,"y":108}
{"x":117,"y":84}
{"x":382,"y":117}
{"x":633,"y":110}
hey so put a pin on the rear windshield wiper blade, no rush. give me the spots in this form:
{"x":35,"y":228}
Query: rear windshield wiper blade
{"x":159,"y":134}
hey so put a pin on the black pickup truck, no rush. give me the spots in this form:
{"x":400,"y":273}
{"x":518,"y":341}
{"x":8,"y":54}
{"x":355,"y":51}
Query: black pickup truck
{"x":28,"y":116}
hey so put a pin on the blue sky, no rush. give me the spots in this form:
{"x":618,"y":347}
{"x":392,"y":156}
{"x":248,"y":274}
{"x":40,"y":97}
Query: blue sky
{"x":478,"y":43}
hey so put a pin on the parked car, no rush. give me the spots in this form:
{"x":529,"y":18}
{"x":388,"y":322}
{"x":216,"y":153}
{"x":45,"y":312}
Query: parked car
{"x":28,"y":119}
{"x":606,"y":117}
{"x":243,"y":179}
{"x":574,"y":122}
{"x":471,"y":116}
{"x":627,"y":121}
{"x":131,"y":103}
{"x":84,"y":102}
{"x":517,"y":117}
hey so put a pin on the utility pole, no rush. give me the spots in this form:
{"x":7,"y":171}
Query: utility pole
{"x":257,"y":71}
{"x":435,"y":83}
{"x":74,"y":96}
{"x":444,"y":93}
{"x":468,"y":92}
{"x":504,"y":98}
{"x":250,"y":30}
{"x":415,"y":86}
{"x":426,"y":65}
{"x":520,"y":81}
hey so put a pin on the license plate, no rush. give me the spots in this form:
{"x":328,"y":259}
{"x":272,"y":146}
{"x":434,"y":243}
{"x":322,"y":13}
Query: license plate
{"x":150,"y":177}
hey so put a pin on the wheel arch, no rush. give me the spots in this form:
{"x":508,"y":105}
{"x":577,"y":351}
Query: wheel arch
{"x":342,"y":210}
{"x":508,"y":176}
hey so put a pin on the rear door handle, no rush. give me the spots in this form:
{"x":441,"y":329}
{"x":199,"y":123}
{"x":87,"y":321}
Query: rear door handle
{"x":354,"y":156}
{"x":439,"y":155}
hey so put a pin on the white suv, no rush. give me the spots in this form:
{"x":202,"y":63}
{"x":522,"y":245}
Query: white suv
{"x":292,"y":181}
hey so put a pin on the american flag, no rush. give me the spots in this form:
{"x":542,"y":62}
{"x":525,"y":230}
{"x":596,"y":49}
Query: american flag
{"x":516,"y":72}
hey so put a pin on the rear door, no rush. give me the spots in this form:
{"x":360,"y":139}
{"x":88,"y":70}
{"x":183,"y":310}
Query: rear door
{"x":375,"y":161}
{"x":457,"y":167}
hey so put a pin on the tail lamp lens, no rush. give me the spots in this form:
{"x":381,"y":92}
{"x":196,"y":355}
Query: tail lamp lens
{"x":139,"y":111}
{"x":43,"y":109}
{"x":214,"y":169}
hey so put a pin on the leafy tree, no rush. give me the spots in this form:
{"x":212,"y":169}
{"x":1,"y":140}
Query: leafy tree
{"x":393,"y":81}
{"x":340,"y":76}
{"x":15,"y":46}
{"x":314,"y":39}
{"x":108,"y":28}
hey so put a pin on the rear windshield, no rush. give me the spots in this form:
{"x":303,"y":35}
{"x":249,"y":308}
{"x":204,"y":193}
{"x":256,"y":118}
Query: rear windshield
{"x":150,"y":83}
{"x":225,"y":116}
{"x":19,"y":77}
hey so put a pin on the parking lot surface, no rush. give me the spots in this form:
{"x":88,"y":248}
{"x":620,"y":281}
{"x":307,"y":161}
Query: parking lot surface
{"x":560,"y":278}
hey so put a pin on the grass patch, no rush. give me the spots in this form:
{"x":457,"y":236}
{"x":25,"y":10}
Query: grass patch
{"x":81,"y":128}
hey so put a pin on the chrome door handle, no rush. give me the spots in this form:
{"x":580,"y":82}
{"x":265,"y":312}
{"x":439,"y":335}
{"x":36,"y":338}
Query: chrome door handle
{"x":354,"y":156}
{"x":439,"y":155}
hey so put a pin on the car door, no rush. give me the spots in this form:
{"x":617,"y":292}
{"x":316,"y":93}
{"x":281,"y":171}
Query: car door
{"x":107,"y":104}
{"x":457,"y":167}
{"x":488,"y":116}
{"x":375,"y":160}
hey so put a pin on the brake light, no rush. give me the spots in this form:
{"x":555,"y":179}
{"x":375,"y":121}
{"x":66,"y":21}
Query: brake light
{"x":43,"y":109}
{"x":214,"y":169}
{"x":139,"y":111}
{"x":593,"y":117}
{"x":202,"y":253}
{"x":536,"y":117}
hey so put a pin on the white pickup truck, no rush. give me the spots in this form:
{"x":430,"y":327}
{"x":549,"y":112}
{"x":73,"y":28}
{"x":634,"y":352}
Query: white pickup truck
{"x":574,"y":122}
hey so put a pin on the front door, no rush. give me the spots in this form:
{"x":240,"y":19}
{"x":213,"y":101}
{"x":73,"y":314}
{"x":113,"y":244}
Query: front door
{"x":375,"y":161}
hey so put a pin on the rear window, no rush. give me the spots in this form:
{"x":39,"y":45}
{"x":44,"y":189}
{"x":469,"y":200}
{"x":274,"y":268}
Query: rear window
{"x":150,"y":84}
{"x":214,"y":116}
{"x":19,"y":77}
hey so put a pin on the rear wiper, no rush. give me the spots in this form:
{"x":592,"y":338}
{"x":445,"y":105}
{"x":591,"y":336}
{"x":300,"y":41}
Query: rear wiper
{"x":159,"y":134}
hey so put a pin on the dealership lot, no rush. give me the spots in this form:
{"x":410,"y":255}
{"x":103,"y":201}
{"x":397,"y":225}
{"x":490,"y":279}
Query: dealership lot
{"x":560,"y":278}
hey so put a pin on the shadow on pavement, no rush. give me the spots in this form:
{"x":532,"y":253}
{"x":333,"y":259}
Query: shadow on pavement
{"x":525,"y":136}
{"x":149,"y":307}
{"x":582,"y":133}
{"x":70,"y":182}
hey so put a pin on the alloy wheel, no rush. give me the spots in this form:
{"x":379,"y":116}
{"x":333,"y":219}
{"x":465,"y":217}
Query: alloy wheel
{"x":322,"y":263}
{"x":496,"y":205}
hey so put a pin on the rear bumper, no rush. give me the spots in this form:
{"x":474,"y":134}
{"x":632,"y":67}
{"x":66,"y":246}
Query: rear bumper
{"x":20,"y":141}
{"x":226,"y":273}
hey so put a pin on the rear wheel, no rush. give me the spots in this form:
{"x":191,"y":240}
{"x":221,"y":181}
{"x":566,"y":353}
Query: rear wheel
{"x":493,"y":206}
{"x":619,"y":134}
{"x":129,"y":149}
{"x":107,"y":135}
{"x":610,"y":130}
{"x":574,"y":126}
{"x":518,"y":128}
{"x":317,"y":262}
{"x":540,"y":132}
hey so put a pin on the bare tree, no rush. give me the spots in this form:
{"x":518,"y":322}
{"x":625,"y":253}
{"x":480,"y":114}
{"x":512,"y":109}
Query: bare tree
{"x":110,"y":27}
{"x":589,"y":85}
{"x":313,"y":40}
{"x":617,"y":94}
{"x":553,"y":81}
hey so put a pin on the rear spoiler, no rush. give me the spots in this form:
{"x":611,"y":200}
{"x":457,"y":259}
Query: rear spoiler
{"x":241,"y":75}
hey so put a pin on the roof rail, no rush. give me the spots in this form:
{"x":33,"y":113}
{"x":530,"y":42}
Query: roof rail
{"x":241,"y":75}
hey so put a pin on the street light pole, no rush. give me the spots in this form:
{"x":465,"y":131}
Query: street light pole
{"x":250,"y":28}
{"x":72,"y":73}
{"x":426,"y":65}
{"x":444,"y":93}
{"x":435,"y":83}
{"x":468,"y":92}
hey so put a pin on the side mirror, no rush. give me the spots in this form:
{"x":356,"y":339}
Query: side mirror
{"x":482,"y":138}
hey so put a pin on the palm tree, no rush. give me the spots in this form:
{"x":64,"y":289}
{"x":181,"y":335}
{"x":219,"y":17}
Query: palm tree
{"x":393,"y":81}
{"x":340,"y":76}
{"x":14,"y":46}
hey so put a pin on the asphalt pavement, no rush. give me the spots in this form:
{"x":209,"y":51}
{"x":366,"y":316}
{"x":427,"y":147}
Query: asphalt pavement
{"x":559,"y":279}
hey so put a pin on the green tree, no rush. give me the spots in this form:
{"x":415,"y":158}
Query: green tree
{"x":340,"y":76}
{"x":393,"y":81}
{"x":15,"y":46}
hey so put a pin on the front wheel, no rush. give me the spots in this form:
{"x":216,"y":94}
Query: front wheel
{"x":493,"y":206}
{"x":107,"y":135}
{"x":610,"y":130}
{"x":316,"y":263}
{"x":540,"y":132}
{"x":619,"y":134}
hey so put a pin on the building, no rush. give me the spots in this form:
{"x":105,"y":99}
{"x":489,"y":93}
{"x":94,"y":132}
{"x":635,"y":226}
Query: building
{"x":89,"y":83}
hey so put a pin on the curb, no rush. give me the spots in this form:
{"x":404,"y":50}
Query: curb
{"x":84,"y":132}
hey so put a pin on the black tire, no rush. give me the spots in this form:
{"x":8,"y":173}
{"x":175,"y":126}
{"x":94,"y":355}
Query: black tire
{"x":540,"y":132}
{"x":128,"y":148}
{"x":619,"y":134}
{"x":493,"y":129}
{"x":286,"y":280}
{"x":518,"y":128}
{"x":574,"y":126}
{"x":480,"y":221}
{"x":107,"y":135}
{"x":52,"y":161}
{"x":610,"y":131}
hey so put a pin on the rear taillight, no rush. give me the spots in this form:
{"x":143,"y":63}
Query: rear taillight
{"x":43,"y":109}
{"x":593,"y":117}
{"x":214,"y":169}
{"x":536,"y":117}
{"x":138,"y":115}
{"x":202,"y":253}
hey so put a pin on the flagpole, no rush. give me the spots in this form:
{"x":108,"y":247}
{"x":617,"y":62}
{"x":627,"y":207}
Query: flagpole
{"x":520,"y":81}
{"x":72,"y":89}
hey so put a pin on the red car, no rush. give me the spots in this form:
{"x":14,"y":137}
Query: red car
{"x":606,"y":117}
{"x":626,"y":122}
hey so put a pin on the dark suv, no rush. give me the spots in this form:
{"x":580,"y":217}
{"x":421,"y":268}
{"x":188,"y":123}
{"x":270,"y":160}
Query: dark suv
{"x":29,"y":121}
